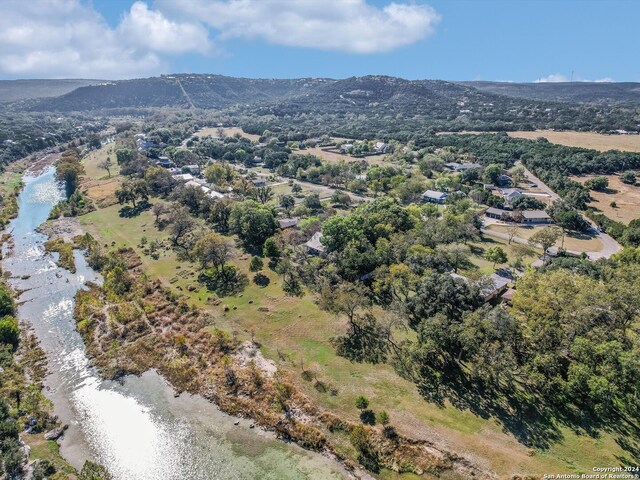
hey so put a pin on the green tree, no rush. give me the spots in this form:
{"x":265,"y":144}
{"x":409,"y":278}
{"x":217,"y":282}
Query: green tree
{"x":9,"y":331}
{"x":262,"y":194}
{"x":94,"y":471}
{"x":219,"y":173}
{"x":68,"y":170}
{"x":106,"y":164}
{"x":125,"y":155}
{"x":132,"y":190}
{"x":212,"y":250}
{"x":546,"y":237}
{"x":492,"y":172}
{"x":495,"y":255}
{"x":628,"y":177}
{"x":312,"y":201}
{"x":362,"y":403}
{"x":7,"y":304}
{"x":252,"y":222}
{"x":256,"y":264}
{"x":383,"y":418}
{"x":597,"y":183}
{"x":287,"y":202}
{"x":271,"y":249}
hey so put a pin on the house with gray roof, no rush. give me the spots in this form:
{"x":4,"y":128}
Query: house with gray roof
{"x":434,"y":196}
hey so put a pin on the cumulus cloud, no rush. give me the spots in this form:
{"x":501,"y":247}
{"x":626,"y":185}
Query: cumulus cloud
{"x":344,"y":25}
{"x":152,"y":30}
{"x":66,"y":38}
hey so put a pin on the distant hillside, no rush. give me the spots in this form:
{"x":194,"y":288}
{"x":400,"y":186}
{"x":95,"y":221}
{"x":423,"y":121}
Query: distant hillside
{"x":570,"y":92}
{"x":382,"y":103}
{"x":180,"y":91}
{"x":14,"y":90}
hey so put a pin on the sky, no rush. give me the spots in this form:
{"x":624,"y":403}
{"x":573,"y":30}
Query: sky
{"x":500,"y":40}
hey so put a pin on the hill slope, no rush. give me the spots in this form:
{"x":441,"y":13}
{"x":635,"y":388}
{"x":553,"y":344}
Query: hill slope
{"x":180,"y":91}
{"x":571,"y":92}
{"x":385,"y":102}
{"x":14,"y":90}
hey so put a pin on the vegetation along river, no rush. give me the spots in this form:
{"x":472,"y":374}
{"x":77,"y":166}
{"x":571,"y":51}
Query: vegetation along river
{"x":135,"y":427}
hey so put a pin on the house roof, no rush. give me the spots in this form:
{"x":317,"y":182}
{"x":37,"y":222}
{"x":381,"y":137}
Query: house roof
{"x":462,"y":166}
{"x":214,"y":194}
{"x":495,"y":284}
{"x":435,"y":194}
{"x":495,"y":211}
{"x":183,"y":177}
{"x":314,"y":242}
{"x":288,"y":222}
{"x":535,"y":214}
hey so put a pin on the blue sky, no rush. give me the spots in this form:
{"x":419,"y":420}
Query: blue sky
{"x":518,"y":40}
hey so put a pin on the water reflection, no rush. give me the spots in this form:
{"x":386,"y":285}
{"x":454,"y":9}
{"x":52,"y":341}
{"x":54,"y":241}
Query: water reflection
{"x":135,"y":427}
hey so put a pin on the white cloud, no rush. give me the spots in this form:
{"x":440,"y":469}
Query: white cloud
{"x":151,"y":29}
{"x":558,"y":77}
{"x":553,"y":78}
{"x":344,"y":25}
{"x":65,"y":38}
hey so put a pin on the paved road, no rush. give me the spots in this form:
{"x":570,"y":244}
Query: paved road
{"x":609,"y":245}
{"x":541,"y":185}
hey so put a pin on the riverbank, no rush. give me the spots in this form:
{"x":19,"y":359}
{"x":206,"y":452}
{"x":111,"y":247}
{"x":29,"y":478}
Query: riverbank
{"x":133,"y":324}
{"x":135,"y":426}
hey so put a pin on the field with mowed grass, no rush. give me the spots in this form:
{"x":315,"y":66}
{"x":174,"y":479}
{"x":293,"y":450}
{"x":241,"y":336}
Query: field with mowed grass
{"x":573,"y":241}
{"x":625,"y":196}
{"x":295,"y":333}
{"x":595,"y":141}
{"x":97,"y":183}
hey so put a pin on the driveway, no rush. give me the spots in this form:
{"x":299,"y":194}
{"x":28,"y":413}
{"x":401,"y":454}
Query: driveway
{"x":609,"y":245}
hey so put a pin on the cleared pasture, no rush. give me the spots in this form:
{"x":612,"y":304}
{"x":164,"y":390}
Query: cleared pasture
{"x":595,"y":141}
{"x":626,"y":198}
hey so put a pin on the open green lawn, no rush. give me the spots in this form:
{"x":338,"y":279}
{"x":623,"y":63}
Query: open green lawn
{"x":292,"y":330}
{"x":42,"y":449}
{"x":485,"y":266}
{"x":95,"y":157}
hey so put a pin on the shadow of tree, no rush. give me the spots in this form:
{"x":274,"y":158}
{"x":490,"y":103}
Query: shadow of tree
{"x":130,"y":212}
{"x":228,"y":281}
{"x":534,"y":420}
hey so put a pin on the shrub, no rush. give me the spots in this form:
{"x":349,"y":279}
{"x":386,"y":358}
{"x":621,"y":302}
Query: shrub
{"x":256,"y":264}
{"x":9,"y":331}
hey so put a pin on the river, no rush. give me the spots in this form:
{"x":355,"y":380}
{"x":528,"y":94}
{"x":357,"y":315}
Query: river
{"x":135,"y":427}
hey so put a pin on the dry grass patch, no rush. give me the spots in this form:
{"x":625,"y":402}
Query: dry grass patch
{"x":595,"y":141}
{"x":574,"y":242}
{"x":627,"y":198}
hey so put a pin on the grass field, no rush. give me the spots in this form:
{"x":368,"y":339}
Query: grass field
{"x":228,"y":131}
{"x":596,"y":141}
{"x":96,"y":182}
{"x":576,"y":243}
{"x":291,"y":330}
{"x":627,"y":198}
{"x":334,"y":157}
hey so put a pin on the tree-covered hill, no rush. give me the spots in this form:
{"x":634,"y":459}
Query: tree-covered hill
{"x":571,"y":92}
{"x":14,"y":90}
{"x":384,"y":101}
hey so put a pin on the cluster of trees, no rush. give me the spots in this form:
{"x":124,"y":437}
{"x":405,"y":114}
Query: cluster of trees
{"x":69,"y":169}
{"x":22,"y":134}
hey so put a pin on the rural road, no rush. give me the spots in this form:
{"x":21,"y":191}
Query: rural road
{"x":609,"y":245}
